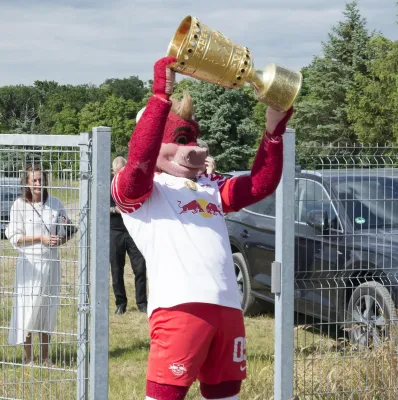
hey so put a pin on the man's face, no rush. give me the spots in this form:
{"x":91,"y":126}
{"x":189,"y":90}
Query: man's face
{"x":116,"y":170}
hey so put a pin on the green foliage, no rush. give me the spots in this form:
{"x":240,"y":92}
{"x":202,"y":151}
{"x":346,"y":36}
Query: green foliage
{"x":131,"y":88}
{"x":19,"y":108}
{"x":321,"y":112}
{"x":225,"y":120}
{"x":373,"y":101}
{"x":66,"y":122}
{"x":115,"y":112}
{"x":62,"y":99}
{"x":349,"y":94}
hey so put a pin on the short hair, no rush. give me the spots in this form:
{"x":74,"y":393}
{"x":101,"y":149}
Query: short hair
{"x":118,"y":163}
{"x":203,"y":144}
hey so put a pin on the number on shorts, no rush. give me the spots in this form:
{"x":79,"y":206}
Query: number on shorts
{"x":240,"y":349}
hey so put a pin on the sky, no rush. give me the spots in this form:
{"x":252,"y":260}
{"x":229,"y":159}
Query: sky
{"x":88,"y":41}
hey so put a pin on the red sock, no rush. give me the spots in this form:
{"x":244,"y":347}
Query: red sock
{"x":220,"y":391}
{"x":165,"y":392}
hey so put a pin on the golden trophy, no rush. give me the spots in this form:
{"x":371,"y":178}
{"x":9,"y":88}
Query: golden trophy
{"x":207,"y":55}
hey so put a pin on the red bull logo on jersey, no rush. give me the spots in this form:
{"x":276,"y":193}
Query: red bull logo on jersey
{"x":202,"y":207}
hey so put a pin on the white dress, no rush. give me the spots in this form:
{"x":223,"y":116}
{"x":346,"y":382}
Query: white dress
{"x":38,"y":270}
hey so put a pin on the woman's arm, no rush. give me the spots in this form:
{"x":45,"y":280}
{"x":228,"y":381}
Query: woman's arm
{"x":24,"y":240}
{"x":15,"y":229}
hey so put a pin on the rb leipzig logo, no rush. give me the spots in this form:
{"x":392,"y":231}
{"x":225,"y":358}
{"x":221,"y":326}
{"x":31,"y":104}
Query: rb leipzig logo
{"x":177,"y":369}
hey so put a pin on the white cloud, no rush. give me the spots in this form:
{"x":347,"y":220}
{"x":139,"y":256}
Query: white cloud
{"x":88,"y":41}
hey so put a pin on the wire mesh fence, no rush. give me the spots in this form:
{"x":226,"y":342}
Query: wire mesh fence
{"x":45,"y":305}
{"x":345,"y":274}
{"x":38,"y":271}
{"x":346,"y":242}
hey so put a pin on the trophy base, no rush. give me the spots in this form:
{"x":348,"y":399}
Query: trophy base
{"x":277,"y":87}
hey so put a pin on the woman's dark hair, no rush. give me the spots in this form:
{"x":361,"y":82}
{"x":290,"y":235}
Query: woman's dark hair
{"x":26,"y":192}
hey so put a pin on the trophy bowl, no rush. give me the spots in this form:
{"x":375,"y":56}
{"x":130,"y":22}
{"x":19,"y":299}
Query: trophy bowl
{"x":209,"y":56}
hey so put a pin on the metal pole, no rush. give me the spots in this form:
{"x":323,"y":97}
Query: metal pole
{"x":100,"y":263}
{"x":83,"y":270}
{"x":284,"y":267}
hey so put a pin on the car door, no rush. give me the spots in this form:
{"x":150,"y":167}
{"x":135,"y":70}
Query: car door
{"x":317,"y":253}
{"x":258,"y":234}
{"x":10,"y":189}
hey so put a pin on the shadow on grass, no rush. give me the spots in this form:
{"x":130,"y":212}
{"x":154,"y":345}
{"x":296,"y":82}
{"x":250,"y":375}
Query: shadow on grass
{"x":136,"y":345}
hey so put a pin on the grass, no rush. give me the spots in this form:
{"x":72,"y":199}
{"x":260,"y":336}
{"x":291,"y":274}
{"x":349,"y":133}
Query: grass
{"x":325,"y":367}
{"x":67,"y":191}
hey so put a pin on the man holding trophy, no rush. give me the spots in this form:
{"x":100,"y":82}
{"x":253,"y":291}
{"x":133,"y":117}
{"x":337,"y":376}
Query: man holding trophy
{"x":176,"y":216}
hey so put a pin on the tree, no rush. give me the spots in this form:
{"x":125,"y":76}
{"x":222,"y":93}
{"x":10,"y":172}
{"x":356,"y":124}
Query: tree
{"x":115,"y":112}
{"x":225,"y":120}
{"x":19,"y":108}
{"x":66,"y":122}
{"x":321,"y":112}
{"x":373,"y":102}
{"x":60,"y":97}
{"x":46,"y":87}
{"x":131,"y":88}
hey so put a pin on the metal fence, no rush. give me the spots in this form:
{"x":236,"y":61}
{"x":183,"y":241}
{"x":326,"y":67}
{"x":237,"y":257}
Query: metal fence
{"x":324,"y":249}
{"x":345,"y":272}
{"x":45,"y":288}
{"x":334,"y":277}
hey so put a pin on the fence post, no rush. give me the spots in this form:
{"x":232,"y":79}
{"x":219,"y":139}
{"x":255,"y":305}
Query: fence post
{"x":83,"y":269}
{"x":284,"y":268}
{"x":100,"y":263}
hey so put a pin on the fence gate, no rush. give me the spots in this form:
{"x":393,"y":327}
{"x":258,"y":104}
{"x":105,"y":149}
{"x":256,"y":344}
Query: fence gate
{"x":76,"y":295}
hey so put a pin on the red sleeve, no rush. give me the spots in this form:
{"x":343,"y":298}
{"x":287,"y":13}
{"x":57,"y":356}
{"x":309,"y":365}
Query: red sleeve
{"x":135,"y":183}
{"x":263,"y":180}
{"x":126,"y":205}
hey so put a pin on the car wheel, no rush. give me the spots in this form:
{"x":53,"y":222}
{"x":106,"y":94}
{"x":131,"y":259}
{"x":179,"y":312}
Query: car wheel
{"x":250,"y":304}
{"x":371,"y":315}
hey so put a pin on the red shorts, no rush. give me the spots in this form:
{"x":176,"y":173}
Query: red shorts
{"x":196,"y":341}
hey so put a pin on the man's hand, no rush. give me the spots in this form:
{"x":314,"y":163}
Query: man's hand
{"x":210,"y":165}
{"x":277,"y":121}
{"x":164,"y":77}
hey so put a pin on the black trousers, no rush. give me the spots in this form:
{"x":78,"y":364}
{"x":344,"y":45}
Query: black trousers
{"x":120,"y":244}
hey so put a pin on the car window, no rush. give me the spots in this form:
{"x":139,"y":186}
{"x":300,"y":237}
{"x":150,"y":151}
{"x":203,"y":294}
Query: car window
{"x":8,"y":193}
{"x":370,"y":201}
{"x":264,"y":207}
{"x":312,"y":196}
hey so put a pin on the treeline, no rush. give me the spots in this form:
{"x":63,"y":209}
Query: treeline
{"x":349,"y":95}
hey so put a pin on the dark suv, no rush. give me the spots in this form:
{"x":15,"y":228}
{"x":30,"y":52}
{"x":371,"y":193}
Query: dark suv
{"x":10,"y":189}
{"x":346,"y":250}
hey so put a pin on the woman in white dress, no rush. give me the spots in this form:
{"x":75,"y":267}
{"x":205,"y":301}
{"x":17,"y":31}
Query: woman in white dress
{"x":32,"y":231}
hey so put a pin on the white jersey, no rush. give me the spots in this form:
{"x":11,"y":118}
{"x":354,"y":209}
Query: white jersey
{"x":181,"y":232}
